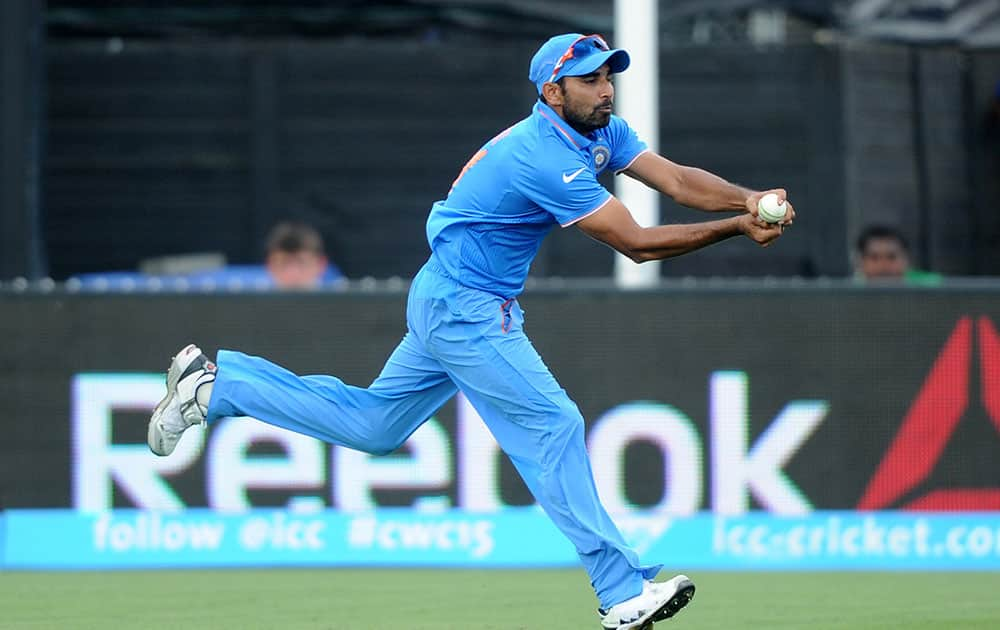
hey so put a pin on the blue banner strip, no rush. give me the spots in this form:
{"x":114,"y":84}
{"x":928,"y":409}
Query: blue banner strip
{"x":517,"y":537}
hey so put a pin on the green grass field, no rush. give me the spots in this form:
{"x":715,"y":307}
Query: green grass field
{"x":472,"y":600}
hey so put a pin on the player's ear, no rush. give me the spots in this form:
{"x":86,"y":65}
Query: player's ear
{"x":553,"y":94}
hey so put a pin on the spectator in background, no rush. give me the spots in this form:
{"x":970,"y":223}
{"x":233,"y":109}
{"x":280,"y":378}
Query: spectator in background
{"x":296,"y":257}
{"x":883,"y":255}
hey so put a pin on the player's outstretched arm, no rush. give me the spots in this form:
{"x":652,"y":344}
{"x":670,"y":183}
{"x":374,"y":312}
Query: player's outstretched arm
{"x":613,"y":224}
{"x":697,"y":188}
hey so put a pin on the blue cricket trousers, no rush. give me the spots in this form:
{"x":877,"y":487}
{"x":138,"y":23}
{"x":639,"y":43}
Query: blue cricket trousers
{"x":457,"y":338}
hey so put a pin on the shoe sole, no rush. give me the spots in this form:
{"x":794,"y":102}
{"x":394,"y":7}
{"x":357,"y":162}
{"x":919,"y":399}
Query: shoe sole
{"x":683,"y":597}
{"x":680,"y":599}
{"x":174,"y":373}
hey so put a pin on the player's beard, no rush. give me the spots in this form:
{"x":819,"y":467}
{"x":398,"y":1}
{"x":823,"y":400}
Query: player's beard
{"x":585,"y":117}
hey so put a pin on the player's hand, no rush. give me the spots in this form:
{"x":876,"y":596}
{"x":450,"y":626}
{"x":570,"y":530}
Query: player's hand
{"x":759,"y":231}
{"x":754,"y":199}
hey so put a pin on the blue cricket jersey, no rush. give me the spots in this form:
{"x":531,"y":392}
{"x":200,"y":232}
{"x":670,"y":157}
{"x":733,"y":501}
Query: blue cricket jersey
{"x":515,"y":189}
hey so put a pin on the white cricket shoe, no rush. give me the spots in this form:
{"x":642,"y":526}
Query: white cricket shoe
{"x":656,"y":602}
{"x":189,"y":388}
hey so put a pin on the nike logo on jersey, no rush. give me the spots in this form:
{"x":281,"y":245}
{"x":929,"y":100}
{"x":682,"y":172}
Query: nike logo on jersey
{"x":568,"y":177}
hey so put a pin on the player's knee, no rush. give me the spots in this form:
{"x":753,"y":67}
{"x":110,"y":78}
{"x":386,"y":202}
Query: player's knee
{"x":383,"y":444}
{"x":566,"y":422}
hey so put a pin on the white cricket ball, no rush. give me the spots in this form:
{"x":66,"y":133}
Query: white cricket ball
{"x":769,"y":209}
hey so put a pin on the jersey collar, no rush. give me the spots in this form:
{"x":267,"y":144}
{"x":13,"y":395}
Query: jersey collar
{"x":567,"y":133}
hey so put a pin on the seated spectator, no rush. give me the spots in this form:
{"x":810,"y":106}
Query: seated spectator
{"x":296,"y":258}
{"x":883,"y":255}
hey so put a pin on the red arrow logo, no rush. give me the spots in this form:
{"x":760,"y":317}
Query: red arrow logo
{"x":931,"y":420}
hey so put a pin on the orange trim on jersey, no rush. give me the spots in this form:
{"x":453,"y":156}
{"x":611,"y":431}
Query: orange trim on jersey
{"x":557,"y":126}
{"x":503,"y":134}
{"x":480,"y":154}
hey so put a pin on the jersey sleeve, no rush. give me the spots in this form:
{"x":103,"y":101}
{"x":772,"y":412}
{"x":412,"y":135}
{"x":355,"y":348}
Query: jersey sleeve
{"x":625,"y":144}
{"x":569,"y":190}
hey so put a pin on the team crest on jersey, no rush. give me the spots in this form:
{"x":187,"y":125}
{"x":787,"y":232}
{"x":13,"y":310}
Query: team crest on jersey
{"x":601,"y":156}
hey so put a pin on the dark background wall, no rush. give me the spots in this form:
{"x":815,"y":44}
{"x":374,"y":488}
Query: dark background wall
{"x":177,"y":148}
{"x":163,"y":148}
{"x":982,"y":89}
{"x":763,"y":117}
{"x":21,"y":117}
{"x":161,"y":131}
{"x":907,"y":155}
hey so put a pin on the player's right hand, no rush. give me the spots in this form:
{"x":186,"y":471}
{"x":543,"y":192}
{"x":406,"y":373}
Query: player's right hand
{"x":761,"y":233}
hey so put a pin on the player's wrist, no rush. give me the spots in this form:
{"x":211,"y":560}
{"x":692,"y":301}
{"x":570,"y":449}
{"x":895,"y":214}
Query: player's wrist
{"x":749,"y":203}
{"x":743,"y":224}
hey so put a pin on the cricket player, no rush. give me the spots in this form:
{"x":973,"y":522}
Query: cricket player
{"x":464,"y":324}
